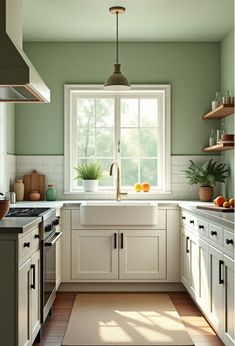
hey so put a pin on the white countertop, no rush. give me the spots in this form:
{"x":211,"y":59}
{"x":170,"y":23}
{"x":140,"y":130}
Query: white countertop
{"x":226,"y":219}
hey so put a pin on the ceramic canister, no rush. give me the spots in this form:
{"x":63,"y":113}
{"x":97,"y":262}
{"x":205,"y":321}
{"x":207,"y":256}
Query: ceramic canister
{"x":19,"y":190}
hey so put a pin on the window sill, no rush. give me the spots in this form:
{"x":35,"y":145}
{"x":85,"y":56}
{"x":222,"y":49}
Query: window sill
{"x":111,"y":195}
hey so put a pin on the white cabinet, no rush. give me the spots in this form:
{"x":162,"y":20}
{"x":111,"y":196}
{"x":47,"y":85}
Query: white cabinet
{"x":94,"y":254}
{"x":221,"y":313}
{"x":58,"y":263}
{"x":113,"y":254}
{"x":24,"y":304}
{"x":29,"y":300}
{"x":142,"y":254}
{"x":207,"y":271}
{"x":229,"y":300}
{"x":203,"y":271}
{"x":35,"y":294}
{"x":185,"y":257}
{"x":58,"y":254}
{"x":20,"y":287}
{"x":150,"y":254}
{"x":216,"y":291}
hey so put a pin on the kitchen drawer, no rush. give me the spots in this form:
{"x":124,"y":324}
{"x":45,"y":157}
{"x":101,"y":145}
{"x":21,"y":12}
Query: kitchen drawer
{"x":228,"y":241}
{"x":202,"y":227}
{"x":184,"y":218}
{"x":25,"y":245}
{"x":35,"y":238}
{"x":189,"y":220}
{"x":216,"y":234}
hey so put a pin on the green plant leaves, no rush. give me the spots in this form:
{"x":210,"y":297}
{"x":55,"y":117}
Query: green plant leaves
{"x":89,"y":171}
{"x":206,"y":174}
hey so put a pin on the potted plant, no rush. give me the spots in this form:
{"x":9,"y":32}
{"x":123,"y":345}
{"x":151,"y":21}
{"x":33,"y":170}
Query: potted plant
{"x":90,"y":173}
{"x":207,"y":175}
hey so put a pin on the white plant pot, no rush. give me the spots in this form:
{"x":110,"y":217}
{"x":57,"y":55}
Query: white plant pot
{"x":90,"y":185}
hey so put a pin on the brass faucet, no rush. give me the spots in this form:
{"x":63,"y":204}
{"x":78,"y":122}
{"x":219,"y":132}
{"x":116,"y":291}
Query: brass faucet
{"x":119,"y":194}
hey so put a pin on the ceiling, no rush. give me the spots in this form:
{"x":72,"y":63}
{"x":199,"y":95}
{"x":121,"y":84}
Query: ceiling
{"x":145,"y":20}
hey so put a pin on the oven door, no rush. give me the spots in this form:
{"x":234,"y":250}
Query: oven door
{"x":49,"y":273}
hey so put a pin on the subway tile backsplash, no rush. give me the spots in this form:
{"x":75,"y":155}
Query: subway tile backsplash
{"x":53,"y":168}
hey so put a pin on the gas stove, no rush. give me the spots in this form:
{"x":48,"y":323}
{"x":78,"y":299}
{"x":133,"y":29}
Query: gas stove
{"x":48,"y":215}
{"x":45,"y":213}
{"x":25,"y":212}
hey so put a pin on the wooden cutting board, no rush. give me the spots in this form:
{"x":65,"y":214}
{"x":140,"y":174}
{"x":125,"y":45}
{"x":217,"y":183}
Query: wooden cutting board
{"x":214,"y":208}
{"x":34,"y":182}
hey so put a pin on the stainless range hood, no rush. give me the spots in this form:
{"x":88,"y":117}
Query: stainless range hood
{"x":19,"y":81}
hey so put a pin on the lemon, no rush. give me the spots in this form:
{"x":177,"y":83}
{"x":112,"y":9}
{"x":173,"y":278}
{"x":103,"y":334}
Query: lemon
{"x":138,"y":187}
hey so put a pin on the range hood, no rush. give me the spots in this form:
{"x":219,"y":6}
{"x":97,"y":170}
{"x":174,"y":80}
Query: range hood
{"x":19,"y":81}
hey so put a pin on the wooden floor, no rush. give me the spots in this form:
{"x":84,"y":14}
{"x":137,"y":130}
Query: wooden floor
{"x":199,"y":329}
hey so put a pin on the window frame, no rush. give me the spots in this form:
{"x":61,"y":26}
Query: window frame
{"x":138,"y":90}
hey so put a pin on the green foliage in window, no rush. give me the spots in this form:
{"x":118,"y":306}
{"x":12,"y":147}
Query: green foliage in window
{"x":206,"y":174}
{"x":89,"y":171}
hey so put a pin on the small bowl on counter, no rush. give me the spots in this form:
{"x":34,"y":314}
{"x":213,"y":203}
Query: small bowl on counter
{"x":4,"y":207}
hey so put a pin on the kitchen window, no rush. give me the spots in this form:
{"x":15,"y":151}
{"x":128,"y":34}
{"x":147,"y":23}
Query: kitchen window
{"x":131,"y":127}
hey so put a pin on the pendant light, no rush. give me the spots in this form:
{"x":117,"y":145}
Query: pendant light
{"x":117,"y":81}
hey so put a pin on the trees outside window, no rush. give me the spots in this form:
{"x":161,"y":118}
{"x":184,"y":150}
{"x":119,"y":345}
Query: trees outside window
{"x":128,"y":127}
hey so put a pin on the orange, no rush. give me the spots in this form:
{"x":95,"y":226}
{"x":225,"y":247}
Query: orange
{"x":146,"y":187}
{"x":231,"y":202}
{"x":220,"y":201}
{"x":138,"y":187}
{"x":214,"y":201}
{"x":226,"y":205}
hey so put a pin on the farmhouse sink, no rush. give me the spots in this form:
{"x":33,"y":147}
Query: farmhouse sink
{"x":129,"y":213}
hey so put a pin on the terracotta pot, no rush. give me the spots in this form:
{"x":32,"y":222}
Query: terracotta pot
{"x":206,"y":193}
{"x":34,"y":196}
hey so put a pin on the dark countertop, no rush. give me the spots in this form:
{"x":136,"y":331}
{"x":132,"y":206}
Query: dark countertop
{"x":225,"y":220}
{"x":18,"y":224}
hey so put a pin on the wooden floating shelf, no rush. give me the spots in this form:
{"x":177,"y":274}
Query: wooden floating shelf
{"x":220,"y":112}
{"x":220,"y":147}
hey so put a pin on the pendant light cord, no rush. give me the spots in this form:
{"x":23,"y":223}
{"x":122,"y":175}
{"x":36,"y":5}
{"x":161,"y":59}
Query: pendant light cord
{"x":117,"y":37}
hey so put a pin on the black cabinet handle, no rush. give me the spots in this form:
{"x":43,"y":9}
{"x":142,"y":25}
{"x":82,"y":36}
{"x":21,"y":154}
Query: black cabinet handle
{"x":221,"y":263}
{"x":115,"y":240}
{"x":187,"y":249}
{"x":36,"y":236}
{"x":121,"y":240}
{"x":33,"y":285}
{"x":229,"y":241}
{"x":183,"y":218}
{"x":27,"y":244}
{"x":201,"y":227}
{"x":213,"y":233}
{"x":191,"y":221}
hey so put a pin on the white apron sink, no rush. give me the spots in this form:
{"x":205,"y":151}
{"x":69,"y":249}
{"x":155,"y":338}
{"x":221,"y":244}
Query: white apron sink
{"x":129,"y":213}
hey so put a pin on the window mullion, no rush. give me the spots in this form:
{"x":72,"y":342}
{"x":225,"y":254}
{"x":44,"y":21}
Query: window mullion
{"x":118,"y":129}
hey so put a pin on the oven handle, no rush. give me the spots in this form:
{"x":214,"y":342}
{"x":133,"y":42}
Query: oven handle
{"x":51,"y":243}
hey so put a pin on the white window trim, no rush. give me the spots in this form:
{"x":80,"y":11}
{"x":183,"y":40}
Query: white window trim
{"x":68,"y":88}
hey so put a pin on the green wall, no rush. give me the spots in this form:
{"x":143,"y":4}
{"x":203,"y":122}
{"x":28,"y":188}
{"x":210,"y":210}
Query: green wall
{"x":227,"y":83}
{"x":193,"y":70}
{"x":10,"y":116}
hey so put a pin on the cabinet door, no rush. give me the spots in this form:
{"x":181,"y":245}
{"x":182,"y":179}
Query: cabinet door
{"x":58,"y":262}
{"x":142,"y":254}
{"x":35,"y":292}
{"x":185,"y":257}
{"x":24,"y":319}
{"x":229,"y":300}
{"x":193,"y":264}
{"x":216,"y":288}
{"x":203,"y":283}
{"x":94,"y":254}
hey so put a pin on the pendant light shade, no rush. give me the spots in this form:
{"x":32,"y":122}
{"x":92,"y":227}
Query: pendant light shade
{"x":117,"y":81}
